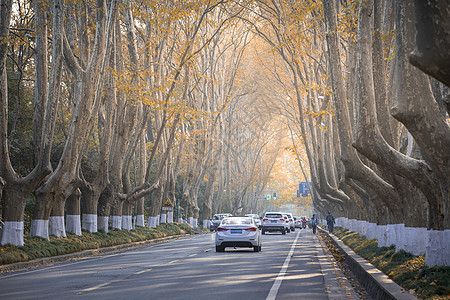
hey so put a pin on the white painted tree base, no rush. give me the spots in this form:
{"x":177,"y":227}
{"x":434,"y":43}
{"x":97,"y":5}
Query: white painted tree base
{"x":363,"y":228}
{"x":400,"y":236}
{"x":152,"y":222}
{"x":12,"y":233}
{"x":56,"y":226}
{"x":116,"y":222}
{"x":163,"y":218}
{"x":354,"y":225}
{"x":206,"y":224}
{"x":127,"y":222}
{"x":415,"y":240}
{"x":346,"y":223}
{"x":382,"y":235}
{"x":342,"y":222}
{"x":195,"y":223}
{"x":102,"y":223}
{"x":170,"y":217}
{"x":140,"y":220}
{"x":191,"y":222}
{"x":437,"y":248}
{"x":39,"y":228}
{"x":90,"y":222}
{"x":73,"y":224}
{"x":390,"y":235}
{"x":371,"y":231}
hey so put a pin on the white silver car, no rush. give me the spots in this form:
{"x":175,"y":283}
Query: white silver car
{"x":291,"y":222}
{"x":238,"y":232}
{"x":256,"y":218}
{"x":274,"y":221}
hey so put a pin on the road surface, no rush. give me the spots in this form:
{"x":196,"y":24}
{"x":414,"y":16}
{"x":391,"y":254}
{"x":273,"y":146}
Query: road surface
{"x":291,"y":266}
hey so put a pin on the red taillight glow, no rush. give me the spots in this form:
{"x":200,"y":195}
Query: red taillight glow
{"x":287,"y":221}
{"x":281,"y":219}
{"x":251,"y":229}
{"x":221,"y":229}
{"x":265,"y":219}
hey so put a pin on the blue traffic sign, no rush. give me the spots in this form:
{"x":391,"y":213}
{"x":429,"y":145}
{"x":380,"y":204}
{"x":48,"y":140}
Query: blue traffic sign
{"x":303,"y":188}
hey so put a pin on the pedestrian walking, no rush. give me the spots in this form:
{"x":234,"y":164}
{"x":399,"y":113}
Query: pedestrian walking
{"x":330,"y":222}
{"x":314,"y":224}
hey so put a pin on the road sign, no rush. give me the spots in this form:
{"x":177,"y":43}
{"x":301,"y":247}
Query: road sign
{"x":168,"y":204}
{"x":303,"y":188}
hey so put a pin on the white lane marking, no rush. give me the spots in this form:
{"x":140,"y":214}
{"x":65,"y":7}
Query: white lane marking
{"x":276,"y":285}
{"x":81,"y":261}
{"x":137,"y":273}
{"x":143,"y":271}
{"x":96,"y":287}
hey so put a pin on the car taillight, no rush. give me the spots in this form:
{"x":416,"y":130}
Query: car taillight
{"x":287,"y":221}
{"x":221,"y":229}
{"x":265,"y":219}
{"x":251,"y":229}
{"x":281,"y":219}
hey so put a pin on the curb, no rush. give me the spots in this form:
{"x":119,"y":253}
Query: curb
{"x":78,"y":255}
{"x":377,"y":284}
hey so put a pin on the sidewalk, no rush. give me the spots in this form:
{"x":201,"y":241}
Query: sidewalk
{"x":336,"y":284}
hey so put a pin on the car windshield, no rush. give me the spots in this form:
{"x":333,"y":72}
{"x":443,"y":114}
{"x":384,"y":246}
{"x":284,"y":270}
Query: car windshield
{"x":218,"y":217}
{"x":236,"y":221}
{"x":273,"y":216}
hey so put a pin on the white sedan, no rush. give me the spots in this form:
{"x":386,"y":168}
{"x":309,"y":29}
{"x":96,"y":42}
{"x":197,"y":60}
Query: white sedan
{"x":238,"y":232}
{"x":256,"y":218}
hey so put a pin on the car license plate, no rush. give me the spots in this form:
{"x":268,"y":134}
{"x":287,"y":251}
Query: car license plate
{"x":236,"y":230}
{"x":273,"y":221}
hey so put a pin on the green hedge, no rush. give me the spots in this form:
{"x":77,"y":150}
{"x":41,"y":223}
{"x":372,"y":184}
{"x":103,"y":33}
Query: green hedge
{"x":36,"y":247}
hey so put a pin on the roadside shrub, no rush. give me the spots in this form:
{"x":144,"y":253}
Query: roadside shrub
{"x":37,"y":247}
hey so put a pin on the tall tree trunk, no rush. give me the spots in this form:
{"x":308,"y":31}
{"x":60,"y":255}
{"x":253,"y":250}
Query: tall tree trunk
{"x":18,"y":189}
{"x":62,"y":182}
{"x":354,"y":168}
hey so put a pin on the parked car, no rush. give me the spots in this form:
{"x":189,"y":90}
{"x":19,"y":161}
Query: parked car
{"x":298,"y":222}
{"x":215,"y":221}
{"x":256,"y":218}
{"x":291,"y":222}
{"x":238,"y":232}
{"x":274,"y":221}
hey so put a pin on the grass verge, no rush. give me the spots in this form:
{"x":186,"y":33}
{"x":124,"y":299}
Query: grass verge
{"x":407,"y":270}
{"x":36,"y":247}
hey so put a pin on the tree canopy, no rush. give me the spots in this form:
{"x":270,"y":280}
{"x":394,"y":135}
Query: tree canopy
{"x":109,"y":108}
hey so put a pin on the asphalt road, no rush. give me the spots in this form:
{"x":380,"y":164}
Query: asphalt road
{"x":291,"y":266}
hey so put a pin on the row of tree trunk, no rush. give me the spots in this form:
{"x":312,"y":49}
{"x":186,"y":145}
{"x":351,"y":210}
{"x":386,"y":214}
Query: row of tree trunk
{"x":136,"y":104}
{"x":129,"y":111}
{"x":372,"y":112}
